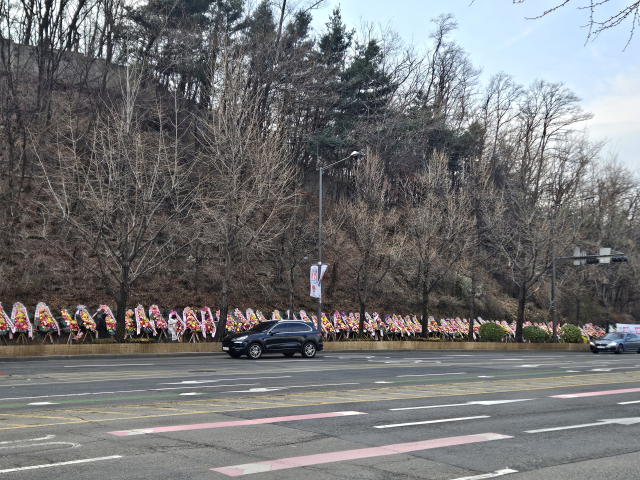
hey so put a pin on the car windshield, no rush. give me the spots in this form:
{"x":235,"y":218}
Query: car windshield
{"x":613,"y":336}
{"x":261,"y":327}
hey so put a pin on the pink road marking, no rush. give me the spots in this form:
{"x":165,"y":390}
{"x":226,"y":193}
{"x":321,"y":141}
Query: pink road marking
{"x":595,"y":394}
{"x":2,"y":374}
{"x":293,"y":462}
{"x":235,"y":423}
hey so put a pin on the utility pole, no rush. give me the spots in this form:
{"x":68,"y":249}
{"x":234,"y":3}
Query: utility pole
{"x":353,"y":155}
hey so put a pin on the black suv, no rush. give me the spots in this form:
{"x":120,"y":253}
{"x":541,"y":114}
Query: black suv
{"x":275,"y":336}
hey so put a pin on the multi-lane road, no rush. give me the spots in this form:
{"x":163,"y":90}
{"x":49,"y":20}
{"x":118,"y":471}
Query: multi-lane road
{"x":392,"y":415}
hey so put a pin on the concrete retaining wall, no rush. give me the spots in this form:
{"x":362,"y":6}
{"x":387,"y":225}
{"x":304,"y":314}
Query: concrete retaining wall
{"x":203,"y":348}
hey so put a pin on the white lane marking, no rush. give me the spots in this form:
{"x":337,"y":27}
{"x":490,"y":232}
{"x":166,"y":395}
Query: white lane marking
{"x":627,"y":403}
{"x":608,"y":369}
{"x":404,"y":361}
{"x":477,"y":402}
{"x":618,"y":421}
{"x":192,"y":393}
{"x":42,"y":403}
{"x":347,"y":357}
{"x":128,"y":391}
{"x":485,"y":376}
{"x":497,"y":473}
{"x":72,"y":462}
{"x":572,"y":371}
{"x":73,"y":445}
{"x":530,"y":366}
{"x":48,"y":437}
{"x":431,"y":374}
{"x":110,"y":365}
{"x":461,"y":355}
{"x":194,"y":382}
{"x":277,"y":360}
{"x":271,"y":389}
{"x":431,"y":421}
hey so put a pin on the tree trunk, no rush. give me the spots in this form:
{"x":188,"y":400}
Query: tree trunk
{"x":224,"y":308}
{"x":472,"y":306}
{"x":577,"y":311}
{"x":121,"y":311}
{"x":291,"y":280}
{"x":121,"y":303}
{"x":520,"y":320}
{"x":425,"y":310}
{"x":362,"y":313}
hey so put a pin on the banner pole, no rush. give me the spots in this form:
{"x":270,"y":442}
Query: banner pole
{"x":319,"y":319}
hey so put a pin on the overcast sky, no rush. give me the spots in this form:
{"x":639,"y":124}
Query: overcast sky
{"x":498,"y":37}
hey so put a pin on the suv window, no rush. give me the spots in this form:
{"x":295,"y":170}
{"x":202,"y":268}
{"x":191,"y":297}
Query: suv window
{"x":299,"y":327}
{"x":281,"y":327}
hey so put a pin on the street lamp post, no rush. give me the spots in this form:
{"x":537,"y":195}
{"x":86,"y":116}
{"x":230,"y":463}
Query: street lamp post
{"x":352,"y":156}
{"x":554,"y":308}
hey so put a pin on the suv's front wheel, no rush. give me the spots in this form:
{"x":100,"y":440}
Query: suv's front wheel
{"x":309,"y":350}
{"x":254,"y":351}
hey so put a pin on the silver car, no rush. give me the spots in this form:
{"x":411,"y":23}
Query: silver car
{"x":617,"y":343}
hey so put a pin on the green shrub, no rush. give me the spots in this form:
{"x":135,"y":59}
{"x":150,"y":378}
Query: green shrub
{"x":103,"y":340}
{"x":571,"y":333}
{"x":491,"y":332}
{"x":535,"y":334}
{"x":140,"y":340}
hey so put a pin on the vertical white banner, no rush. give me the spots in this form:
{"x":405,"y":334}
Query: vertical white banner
{"x":316,"y":281}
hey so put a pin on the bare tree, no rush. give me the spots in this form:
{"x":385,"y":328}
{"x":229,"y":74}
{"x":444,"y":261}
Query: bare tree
{"x":609,"y":19}
{"x":370,"y":237}
{"x":438,"y":226}
{"x":249,"y":177}
{"x":124,"y":193}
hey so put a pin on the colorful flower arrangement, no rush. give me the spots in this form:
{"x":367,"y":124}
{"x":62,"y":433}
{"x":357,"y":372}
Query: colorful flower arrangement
{"x":20,"y":319}
{"x":44,"y":320}
{"x":6,"y":326}
{"x":68,"y":323}
{"x":86,"y":321}
{"x":252,"y":318}
{"x":276,"y":315}
{"x":339,"y":324}
{"x":179,"y":326}
{"x":109,"y":319}
{"x":190,"y":319}
{"x":208,"y":325}
{"x":143,"y":323}
{"x":130,"y":323}
{"x":157,"y":319}
{"x":261,"y":317}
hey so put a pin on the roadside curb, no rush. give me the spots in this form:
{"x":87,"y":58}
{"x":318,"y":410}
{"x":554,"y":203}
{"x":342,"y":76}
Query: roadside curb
{"x":171,"y":350}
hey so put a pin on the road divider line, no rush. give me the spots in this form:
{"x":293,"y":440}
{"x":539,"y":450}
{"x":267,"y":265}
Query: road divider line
{"x":357,"y":454}
{"x":110,"y":365}
{"x":233,"y":423}
{"x":599,"y":423}
{"x":628,"y":403}
{"x":431,"y":374}
{"x":60,"y":464}
{"x":285,"y":387}
{"x":497,"y":473}
{"x":596,"y":394}
{"x":444,"y":420}
{"x":48,"y":437}
{"x":195,"y":382}
{"x":478,"y":402}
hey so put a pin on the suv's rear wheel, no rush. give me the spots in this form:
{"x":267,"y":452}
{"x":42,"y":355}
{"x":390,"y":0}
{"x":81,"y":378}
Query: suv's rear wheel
{"x":309,"y":350}
{"x":254,"y":351}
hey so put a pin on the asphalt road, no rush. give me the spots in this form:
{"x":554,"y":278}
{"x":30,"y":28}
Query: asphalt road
{"x":393,"y":415}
